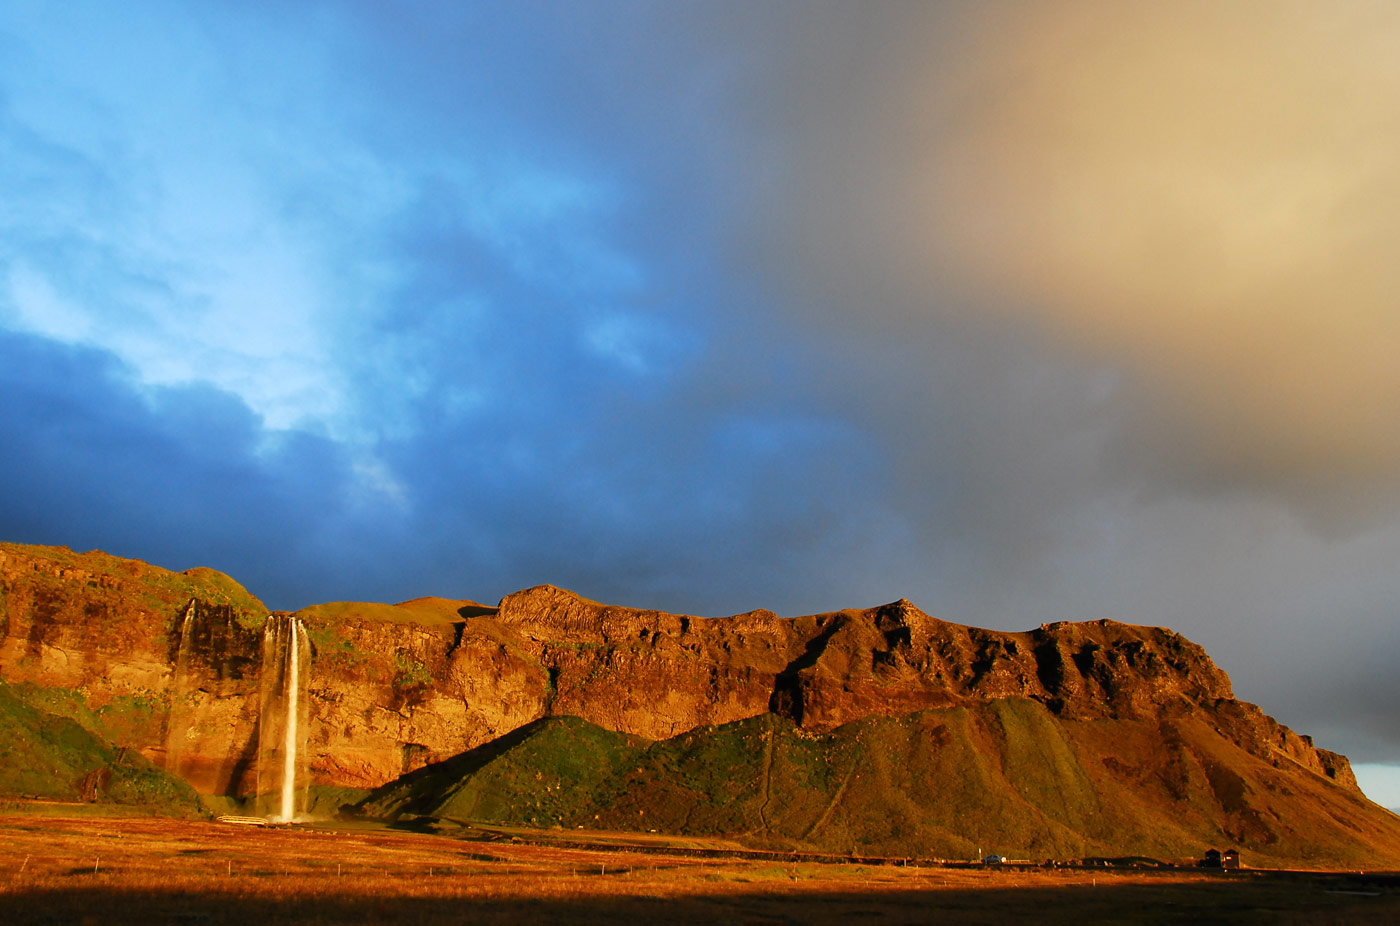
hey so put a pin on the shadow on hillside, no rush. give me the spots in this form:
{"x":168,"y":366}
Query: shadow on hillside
{"x":421,"y":790}
{"x":786,"y":698}
{"x":1077,"y":904}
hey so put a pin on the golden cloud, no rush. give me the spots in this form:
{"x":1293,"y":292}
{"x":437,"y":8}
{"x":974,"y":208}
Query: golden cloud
{"x":1207,"y":190}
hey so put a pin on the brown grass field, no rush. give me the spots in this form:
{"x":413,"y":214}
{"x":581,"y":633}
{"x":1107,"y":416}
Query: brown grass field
{"x":69,"y":867}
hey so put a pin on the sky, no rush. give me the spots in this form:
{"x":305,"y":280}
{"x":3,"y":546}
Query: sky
{"x":1025,"y":312}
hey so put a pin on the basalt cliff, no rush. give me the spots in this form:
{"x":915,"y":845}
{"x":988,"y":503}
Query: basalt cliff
{"x":1139,"y":719}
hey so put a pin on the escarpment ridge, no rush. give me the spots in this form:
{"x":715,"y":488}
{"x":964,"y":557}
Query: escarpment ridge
{"x":169,"y":664}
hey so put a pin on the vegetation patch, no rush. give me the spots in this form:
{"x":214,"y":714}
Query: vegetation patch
{"x":125,"y":720}
{"x":48,"y":756}
{"x":428,"y":612}
{"x":1004,"y":778}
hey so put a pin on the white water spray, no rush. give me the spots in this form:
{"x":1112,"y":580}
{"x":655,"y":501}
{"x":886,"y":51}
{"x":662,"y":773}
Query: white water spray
{"x":289,"y":755}
{"x":281,"y":752}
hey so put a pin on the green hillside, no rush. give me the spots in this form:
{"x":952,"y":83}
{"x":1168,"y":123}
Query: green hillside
{"x":51,"y":757}
{"x":1005,"y":777}
{"x":550,"y":771}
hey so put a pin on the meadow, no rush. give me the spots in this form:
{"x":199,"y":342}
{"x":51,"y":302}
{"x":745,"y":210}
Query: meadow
{"x":67,"y":865}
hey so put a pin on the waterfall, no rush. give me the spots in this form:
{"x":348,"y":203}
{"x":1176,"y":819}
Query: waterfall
{"x":289,"y":755}
{"x":180,"y":720}
{"x":281,"y":720}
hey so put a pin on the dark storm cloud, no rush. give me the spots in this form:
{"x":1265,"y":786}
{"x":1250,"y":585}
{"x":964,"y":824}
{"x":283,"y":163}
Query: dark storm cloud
{"x":656,"y":461}
{"x":186,"y":474}
{"x":718,"y":306}
{"x":1106,"y":290}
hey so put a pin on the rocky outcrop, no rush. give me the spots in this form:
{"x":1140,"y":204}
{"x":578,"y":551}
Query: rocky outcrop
{"x":108,"y":631}
{"x":657,"y":674}
{"x":393,"y":688}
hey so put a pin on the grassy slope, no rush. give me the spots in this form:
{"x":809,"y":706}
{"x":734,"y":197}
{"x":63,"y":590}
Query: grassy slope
{"x":160,"y":587}
{"x":432,"y":612}
{"x":551,"y":770}
{"x":119,"y":597}
{"x":47,"y":756}
{"x":126,"y":720}
{"x":1006,"y":777}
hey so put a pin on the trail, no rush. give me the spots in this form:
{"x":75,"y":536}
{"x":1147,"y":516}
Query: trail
{"x":767,"y":779}
{"x":831,"y":806}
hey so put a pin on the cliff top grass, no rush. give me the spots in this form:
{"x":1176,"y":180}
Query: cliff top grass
{"x":430,"y":612}
{"x":158,"y":589}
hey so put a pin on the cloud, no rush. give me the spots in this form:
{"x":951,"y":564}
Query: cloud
{"x":1107,"y":284}
{"x":1170,"y":192}
{"x":1178,"y":191}
{"x":188,"y":475}
{"x":1024,"y":313}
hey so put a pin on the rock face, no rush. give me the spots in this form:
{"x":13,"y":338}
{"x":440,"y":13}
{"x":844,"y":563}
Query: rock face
{"x":393,"y":688}
{"x":108,"y":630}
{"x":656,"y":675}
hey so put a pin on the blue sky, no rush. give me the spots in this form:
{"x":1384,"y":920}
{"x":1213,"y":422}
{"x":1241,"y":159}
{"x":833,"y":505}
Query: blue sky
{"x":1023,"y":313}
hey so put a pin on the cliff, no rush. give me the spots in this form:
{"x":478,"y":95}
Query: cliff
{"x":169,"y":664}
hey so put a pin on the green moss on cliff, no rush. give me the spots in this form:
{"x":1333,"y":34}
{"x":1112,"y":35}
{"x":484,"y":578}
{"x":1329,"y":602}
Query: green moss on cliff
{"x":214,"y":588}
{"x":410,"y":672}
{"x":126,"y":720}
